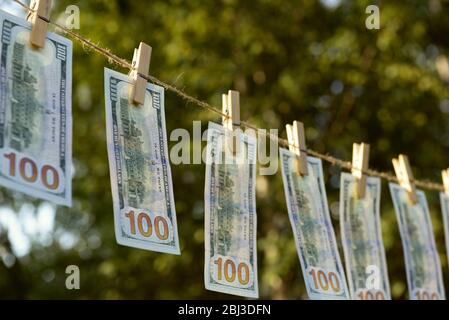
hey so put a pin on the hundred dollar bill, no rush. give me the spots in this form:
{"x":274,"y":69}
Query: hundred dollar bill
{"x":312,"y":228}
{"x":35,"y":113}
{"x":363,"y":247}
{"x":142,"y":192}
{"x":444,"y":199}
{"x":230,"y":214}
{"x":423,"y":268}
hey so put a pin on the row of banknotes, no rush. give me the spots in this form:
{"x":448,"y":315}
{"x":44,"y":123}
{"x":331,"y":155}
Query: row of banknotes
{"x":36,"y":159}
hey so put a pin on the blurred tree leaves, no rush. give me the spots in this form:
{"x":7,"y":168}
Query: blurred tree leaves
{"x":290,"y":60}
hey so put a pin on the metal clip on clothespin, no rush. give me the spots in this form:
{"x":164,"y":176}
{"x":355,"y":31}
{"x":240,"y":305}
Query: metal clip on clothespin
{"x":231,"y":107}
{"x":445,"y":174}
{"x":39,"y":18}
{"x":360,"y":159}
{"x":140,"y":69}
{"x":405,"y":176}
{"x":297,"y":145}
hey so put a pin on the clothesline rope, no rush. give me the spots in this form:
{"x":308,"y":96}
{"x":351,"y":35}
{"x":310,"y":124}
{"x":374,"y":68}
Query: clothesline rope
{"x":114,"y":59}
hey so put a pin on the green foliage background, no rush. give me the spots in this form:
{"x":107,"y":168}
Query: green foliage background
{"x":291,"y":60}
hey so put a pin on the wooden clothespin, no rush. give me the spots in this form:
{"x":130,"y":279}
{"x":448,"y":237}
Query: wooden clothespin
{"x":231,"y":107}
{"x":297,"y":145}
{"x":405,"y":176}
{"x":360,"y":159}
{"x":445,"y":174}
{"x":141,"y":68}
{"x":39,"y":18}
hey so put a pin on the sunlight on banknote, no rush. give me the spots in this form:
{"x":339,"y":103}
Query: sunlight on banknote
{"x":35,"y":113}
{"x":144,"y":208}
{"x":230,"y":215}
{"x":422,"y":262}
{"x":312,"y":228}
{"x":363,"y":247}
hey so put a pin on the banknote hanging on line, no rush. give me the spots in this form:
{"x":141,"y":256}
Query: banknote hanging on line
{"x":312,"y":229}
{"x":444,"y":200}
{"x":422,"y":263}
{"x":141,"y":182}
{"x":361,"y":234}
{"x":35,"y":113}
{"x":230,"y":213}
